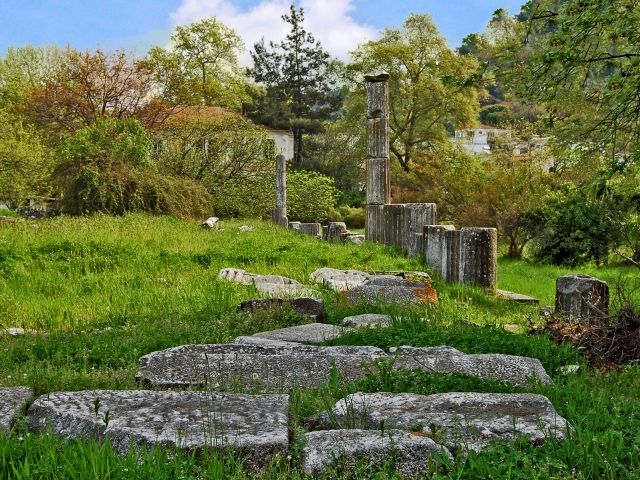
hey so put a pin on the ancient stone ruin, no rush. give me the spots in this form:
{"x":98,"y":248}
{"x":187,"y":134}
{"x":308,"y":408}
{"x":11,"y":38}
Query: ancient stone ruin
{"x":582,"y":297}
{"x":468,"y":255}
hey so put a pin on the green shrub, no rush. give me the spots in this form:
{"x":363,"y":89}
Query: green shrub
{"x":353,"y":217}
{"x":574,"y":229}
{"x":310,"y":196}
{"x":108,"y":168}
{"x":118,"y":189}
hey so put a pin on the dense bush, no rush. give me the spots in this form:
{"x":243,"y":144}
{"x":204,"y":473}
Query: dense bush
{"x":573,"y":229}
{"x":310,"y":196}
{"x":108,"y":168}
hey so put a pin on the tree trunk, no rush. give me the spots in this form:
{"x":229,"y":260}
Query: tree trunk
{"x":297,"y":147}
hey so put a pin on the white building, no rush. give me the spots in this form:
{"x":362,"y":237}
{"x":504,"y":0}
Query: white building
{"x":476,"y":140}
{"x":283,"y":140}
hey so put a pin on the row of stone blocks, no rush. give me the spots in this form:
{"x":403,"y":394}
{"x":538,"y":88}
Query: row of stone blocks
{"x":334,"y":232}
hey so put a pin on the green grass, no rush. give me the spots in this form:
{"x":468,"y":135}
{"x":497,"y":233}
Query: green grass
{"x":100,"y":292}
{"x":539,"y":281}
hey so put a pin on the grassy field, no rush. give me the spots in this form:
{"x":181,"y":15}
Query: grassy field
{"x":100,"y":292}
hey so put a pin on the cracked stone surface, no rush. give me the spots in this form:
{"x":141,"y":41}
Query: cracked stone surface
{"x":262,"y":367}
{"x":269,"y":285}
{"x":340,"y":280}
{"x":367,"y":320}
{"x":508,"y":368}
{"x":254,"y":427}
{"x":392,"y":289}
{"x":13,"y":400}
{"x":305,"y":306}
{"x":459,"y":420}
{"x":308,"y":334}
{"x":250,"y":340}
{"x":411,"y":453}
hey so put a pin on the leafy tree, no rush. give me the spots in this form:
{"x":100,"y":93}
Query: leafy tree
{"x":297,"y":75}
{"x":24,"y":69}
{"x":25,"y":163}
{"x":231,"y":156}
{"x":582,"y":59}
{"x":432,"y":89}
{"x":310,"y":196}
{"x":88,"y":86}
{"x":200,"y":67}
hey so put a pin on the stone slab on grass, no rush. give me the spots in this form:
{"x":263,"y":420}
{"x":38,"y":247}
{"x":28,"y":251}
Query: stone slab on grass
{"x":236,"y":275}
{"x":459,"y":420}
{"x":411,"y":454}
{"x":250,"y":340}
{"x":276,"y":285}
{"x":507,"y":368}
{"x":254,"y":427}
{"x":13,"y":400}
{"x":305,"y":306}
{"x":389,"y":289}
{"x":254,"y":367}
{"x":367,"y":320}
{"x":516,"y":297}
{"x":307,"y":334}
{"x":340,"y":280}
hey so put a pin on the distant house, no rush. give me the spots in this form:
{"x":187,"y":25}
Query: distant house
{"x":476,"y":140}
{"x":282,"y":139}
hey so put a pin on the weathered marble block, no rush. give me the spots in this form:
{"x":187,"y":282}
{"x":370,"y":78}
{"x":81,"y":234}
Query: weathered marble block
{"x":582,"y":297}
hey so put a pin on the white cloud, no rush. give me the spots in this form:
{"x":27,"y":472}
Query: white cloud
{"x":330,"y":22}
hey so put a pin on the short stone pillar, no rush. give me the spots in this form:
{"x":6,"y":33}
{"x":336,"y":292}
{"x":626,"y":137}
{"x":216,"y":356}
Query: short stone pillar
{"x":582,"y":297}
{"x":279,"y":214}
{"x":479,"y":256}
{"x":335,"y":232}
{"x":375,"y":223}
{"x":435,"y":246}
{"x":394,"y":225}
{"x":451,"y":256}
{"x":314,"y":229}
{"x":417,"y":215}
{"x":378,"y":180}
{"x":294,"y":225}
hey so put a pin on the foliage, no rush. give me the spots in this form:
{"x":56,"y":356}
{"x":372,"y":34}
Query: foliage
{"x":25,"y":163}
{"x":310,"y":195}
{"x":495,"y":115}
{"x":431,"y":89}
{"x":107,"y":168}
{"x":573,"y":229}
{"x":582,"y":59}
{"x":297,"y":75}
{"x":232,"y":157}
{"x":201,"y":66}
{"x":85,"y":87}
{"x":24,"y":69}
{"x":339,"y":151}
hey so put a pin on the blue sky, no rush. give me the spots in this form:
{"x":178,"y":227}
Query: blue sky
{"x":138,"y":24}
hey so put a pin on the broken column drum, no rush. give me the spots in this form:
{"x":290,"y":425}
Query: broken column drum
{"x":378,"y":181}
{"x":279,"y":215}
{"x":479,"y":256}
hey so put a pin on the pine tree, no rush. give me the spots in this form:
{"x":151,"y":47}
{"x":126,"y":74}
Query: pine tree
{"x":297,"y":76}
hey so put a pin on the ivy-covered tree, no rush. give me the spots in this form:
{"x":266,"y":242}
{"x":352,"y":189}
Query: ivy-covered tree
{"x":297,"y":76}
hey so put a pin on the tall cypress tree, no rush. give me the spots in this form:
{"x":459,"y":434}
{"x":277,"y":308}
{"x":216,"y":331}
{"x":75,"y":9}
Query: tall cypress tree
{"x":296,"y":74}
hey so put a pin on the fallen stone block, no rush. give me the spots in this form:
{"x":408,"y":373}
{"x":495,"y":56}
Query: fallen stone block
{"x":274,"y":285}
{"x":335,"y":232}
{"x":367,"y":320}
{"x":262,"y":367}
{"x":410,"y":453}
{"x":313,"y":229}
{"x":339,"y":280}
{"x":507,"y":368}
{"x":249,"y":340}
{"x":582,"y":297}
{"x":354,"y":238}
{"x":307,"y":334}
{"x":253,"y":427}
{"x":516,"y":297}
{"x":306,"y":306}
{"x":386,"y":289}
{"x":13,"y":401}
{"x":459,"y":420}
{"x":236,"y":275}
{"x":210,"y":222}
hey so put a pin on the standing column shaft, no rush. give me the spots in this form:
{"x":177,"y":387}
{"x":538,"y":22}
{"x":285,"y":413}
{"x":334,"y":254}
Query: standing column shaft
{"x":378,"y":181}
{"x":280,"y":212}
